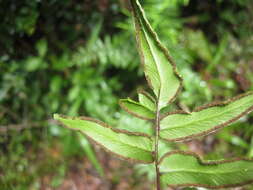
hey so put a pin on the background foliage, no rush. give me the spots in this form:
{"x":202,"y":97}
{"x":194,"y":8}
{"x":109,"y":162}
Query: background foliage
{"x":78,"y":58}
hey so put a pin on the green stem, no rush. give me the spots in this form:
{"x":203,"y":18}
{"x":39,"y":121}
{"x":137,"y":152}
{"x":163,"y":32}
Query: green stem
{"x":157,"y":130}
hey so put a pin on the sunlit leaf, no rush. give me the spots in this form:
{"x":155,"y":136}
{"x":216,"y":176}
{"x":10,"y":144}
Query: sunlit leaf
{"x":159,"y":67}
{"x":136,"y":109}
{"x":129,"y":123}
{"x":206,"y":119}
{"x":187,"y":169}
{"x":146,"y":100}
{"x":149,"y":141}
{"x":130,"y":146}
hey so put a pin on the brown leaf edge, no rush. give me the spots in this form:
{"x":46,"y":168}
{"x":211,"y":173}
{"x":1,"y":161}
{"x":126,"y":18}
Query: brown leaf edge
{"x":133,"y":113}
{"x":202,"y":162}
{"x":164,"y":50}
{"x":113,"y":129}
{"x":210,"y":105}
{"x":149,"y":96}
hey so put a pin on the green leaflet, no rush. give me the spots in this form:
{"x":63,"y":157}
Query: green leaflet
{"x":159,"y":67}
{"x":164,"y":147}
{"x":134,"y":124}
{"x":135,"y":147}
{"x":136,"y":109}
{"x":204,"y":120}
{"x":186,"y":169}
{"x":151,"y":143}
{"x":147,"y":101}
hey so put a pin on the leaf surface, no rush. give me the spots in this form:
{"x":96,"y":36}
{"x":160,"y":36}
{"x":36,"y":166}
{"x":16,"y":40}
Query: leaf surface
{"x":136,"y":109}
{"x":206,"y":119}
{"x":147,"y":101}
{"x":134,"y":124}
{"x":159,"y":67}
{"x":187,"y":169}
{"x":130,"y":146}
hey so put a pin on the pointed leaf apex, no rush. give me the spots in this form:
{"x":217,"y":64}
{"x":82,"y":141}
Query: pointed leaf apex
{"x":159,"y":67}
{"x":134,"y":147}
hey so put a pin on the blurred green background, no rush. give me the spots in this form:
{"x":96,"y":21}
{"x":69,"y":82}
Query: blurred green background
{"x":79,"y":57}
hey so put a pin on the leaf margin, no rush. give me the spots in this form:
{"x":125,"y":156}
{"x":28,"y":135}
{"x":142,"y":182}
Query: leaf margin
{"x":148,"y":96}
{"x":206,"y":163}
{"x":206,"y":106}
{"x":131,"y":112}
{"x":160,"y":46}
{"x":103,"y":124}
{"x":145,"y":93}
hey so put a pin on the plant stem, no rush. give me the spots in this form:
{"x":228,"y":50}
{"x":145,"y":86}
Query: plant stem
{"x":157,"y":130}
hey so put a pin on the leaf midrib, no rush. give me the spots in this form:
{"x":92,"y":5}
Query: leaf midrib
{"x":113,"y":139}
{"x":204,"y":172}
{"x":119,"y":141}
{"x":143,"y":23}
{"x":195,"y":121}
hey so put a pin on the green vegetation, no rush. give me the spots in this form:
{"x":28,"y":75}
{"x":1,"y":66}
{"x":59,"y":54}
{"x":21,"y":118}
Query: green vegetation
{"x":79,"y":58}
{"x":174,"y":168}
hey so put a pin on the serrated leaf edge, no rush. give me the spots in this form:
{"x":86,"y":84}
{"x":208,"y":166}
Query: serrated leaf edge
{"x":202,"y":162}
{"x":210,"y":105}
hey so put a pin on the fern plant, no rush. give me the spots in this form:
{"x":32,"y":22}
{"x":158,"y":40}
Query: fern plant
{"x":174,"y":168}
